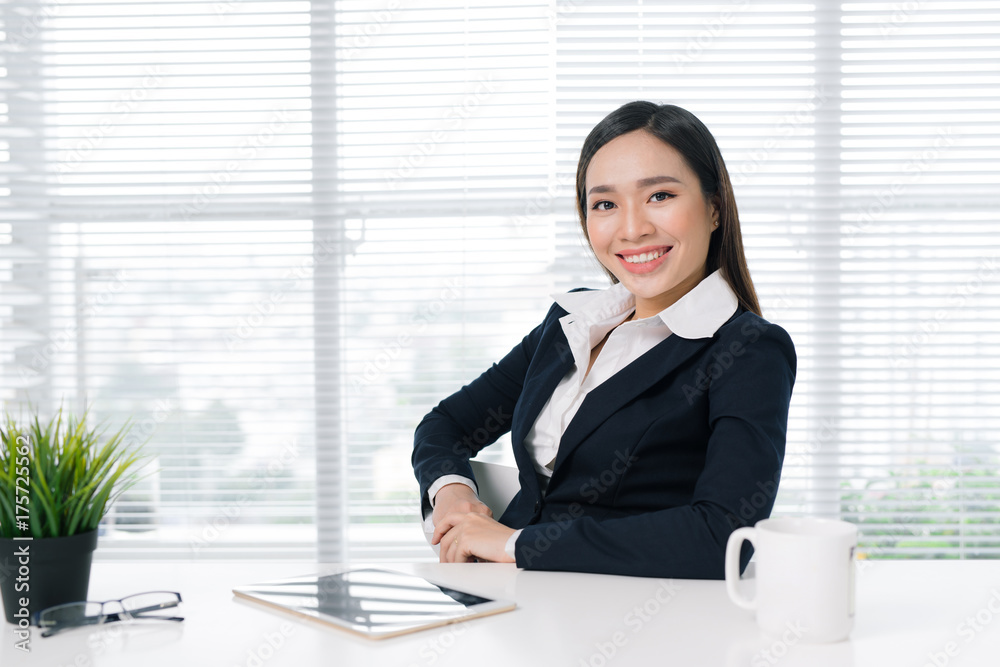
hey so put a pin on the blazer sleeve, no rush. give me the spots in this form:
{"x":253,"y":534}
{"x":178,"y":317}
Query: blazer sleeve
{"x":748,"y":416}
{"x":473,"y":417}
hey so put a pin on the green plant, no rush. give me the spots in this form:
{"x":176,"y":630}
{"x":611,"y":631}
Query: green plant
{"x":72,"y":478}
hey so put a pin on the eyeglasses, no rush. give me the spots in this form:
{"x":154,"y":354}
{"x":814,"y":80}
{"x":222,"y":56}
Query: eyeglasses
{"x":132,"y":608}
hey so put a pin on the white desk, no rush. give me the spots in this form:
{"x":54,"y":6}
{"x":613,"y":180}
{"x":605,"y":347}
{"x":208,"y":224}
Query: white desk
{"x":907,"y":612}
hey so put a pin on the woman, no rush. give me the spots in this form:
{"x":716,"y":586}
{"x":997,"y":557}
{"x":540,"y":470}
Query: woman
{"x":647,"y":419}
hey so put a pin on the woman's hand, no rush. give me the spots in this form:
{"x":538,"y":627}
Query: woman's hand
{"x":457,"y":498}
{"x":471,"y":536}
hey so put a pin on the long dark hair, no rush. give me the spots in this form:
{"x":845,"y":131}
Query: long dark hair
{"x":683,"y":131}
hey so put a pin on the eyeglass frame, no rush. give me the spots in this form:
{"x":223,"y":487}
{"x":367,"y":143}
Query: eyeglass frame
{"x":105,"y":617}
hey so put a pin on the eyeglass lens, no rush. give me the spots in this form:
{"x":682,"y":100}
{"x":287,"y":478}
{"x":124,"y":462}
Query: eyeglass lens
{"x":145,"y":603}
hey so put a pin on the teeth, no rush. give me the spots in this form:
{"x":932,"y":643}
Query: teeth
{"x":644,"y":257}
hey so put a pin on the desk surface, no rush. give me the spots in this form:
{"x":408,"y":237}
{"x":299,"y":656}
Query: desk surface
{"x":908,"y":613}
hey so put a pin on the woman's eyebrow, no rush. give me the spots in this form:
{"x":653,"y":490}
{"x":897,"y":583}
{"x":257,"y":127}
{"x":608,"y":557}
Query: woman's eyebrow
{"x":641,"y":183}
{"x":655,"y":180}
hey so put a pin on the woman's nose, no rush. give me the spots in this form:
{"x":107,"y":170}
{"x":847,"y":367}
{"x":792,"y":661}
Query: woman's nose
{"x":635,"y":223}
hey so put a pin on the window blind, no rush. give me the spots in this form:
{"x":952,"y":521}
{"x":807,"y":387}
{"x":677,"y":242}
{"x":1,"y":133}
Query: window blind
{"x":277,"y":233}
{"x":162,"y":240}
{"x":917,"y":425}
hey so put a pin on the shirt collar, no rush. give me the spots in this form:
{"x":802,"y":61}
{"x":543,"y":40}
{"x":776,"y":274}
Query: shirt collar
{"x":697,"y":314}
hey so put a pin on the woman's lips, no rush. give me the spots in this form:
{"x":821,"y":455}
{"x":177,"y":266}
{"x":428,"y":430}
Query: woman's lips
{"x":644,"y":260}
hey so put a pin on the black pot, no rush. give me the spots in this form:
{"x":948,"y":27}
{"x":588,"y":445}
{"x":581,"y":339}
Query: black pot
{"x":54,"y":571}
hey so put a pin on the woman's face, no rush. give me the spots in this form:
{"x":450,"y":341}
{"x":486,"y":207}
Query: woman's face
{"x":647,"y":219}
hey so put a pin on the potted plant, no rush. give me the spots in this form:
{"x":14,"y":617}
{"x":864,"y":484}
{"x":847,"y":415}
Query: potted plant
{"x":57,"y":480}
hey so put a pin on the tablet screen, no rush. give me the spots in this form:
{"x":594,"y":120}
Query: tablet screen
{"x":370,"y":601}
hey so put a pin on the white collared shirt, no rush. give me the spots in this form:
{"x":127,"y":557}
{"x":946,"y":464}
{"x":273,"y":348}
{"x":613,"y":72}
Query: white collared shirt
{"x":590,"y":316}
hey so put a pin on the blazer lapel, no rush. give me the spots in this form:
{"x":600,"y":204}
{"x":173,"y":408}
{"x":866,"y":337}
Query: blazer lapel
{"x":607,"y":398}
{"x":539,"y":387}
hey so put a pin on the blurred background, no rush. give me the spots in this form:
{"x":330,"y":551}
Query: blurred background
{"x":275,"y":234}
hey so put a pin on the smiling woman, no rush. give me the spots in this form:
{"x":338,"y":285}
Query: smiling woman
{"x":648,"y":419}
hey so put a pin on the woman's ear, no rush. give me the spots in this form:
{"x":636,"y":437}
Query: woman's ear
{"x":716,"y":205}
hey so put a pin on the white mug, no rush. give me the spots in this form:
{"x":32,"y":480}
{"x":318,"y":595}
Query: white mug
{"x":804,"y":575}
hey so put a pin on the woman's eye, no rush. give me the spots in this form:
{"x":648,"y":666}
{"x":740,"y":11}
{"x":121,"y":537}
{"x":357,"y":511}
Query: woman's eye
{"x":603,"y":205}
{"x":661,"y":196}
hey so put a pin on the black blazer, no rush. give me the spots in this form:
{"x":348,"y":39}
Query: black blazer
{"x":661,"y":463}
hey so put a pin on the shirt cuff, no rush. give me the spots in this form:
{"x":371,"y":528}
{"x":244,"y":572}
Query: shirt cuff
{"x":509,"y":547}
{"x":449,"y":479}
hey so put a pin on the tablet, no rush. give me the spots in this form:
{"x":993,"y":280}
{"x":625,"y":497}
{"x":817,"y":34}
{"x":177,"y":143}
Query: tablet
{"x":373,"y":602}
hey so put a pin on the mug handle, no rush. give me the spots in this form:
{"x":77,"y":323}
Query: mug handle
{"x":733,"y":548}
